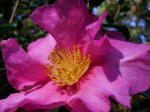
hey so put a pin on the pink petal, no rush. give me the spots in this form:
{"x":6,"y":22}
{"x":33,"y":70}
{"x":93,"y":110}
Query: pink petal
{"x":101,"y":51}
{"x":94,"y":91}
{"x":40,"y":49}
{"x":22,"y":70}
{"x":93,"y":28}
{"x":115,"y":35}
{"x":11,"y":103}
{"x":135,"y":64}
{"x":131,"y":61}
{"x":65,"y":20}
{"x":125,"y":66}
{"x":45,"y":97}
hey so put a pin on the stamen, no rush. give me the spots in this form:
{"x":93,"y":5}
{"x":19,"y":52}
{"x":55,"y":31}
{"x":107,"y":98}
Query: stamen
{"x":67,"y":66}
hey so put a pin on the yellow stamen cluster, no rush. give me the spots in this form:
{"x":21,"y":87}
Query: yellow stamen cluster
{"x":67,"y":66}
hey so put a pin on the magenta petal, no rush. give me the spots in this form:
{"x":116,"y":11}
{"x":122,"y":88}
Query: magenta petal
{"x":124,"y":70}
{"x":40,"y":49}
{"x":135,"y":64}
{"x":65,"y":20}
{"x":115,"y":35}
{"x":94,"y":92}
{"x":101,"y":51}
{"x":22,"y":70}
{"x":11,"y":103}
{"x":48,"y":17}
{"x":93,"y":28}
{"x":120,"y":58}
{"x":46,"y":97}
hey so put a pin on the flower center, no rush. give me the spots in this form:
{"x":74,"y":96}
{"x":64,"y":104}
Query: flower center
{"x":67,"y":66}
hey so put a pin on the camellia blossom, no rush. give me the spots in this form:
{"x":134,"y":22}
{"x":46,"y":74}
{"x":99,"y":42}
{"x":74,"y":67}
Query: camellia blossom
{"x":69,"y":67}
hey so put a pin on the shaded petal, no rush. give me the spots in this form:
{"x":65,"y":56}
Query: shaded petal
{"x":41,"y":48}
{"x":65,"y":20}
{"x":94,"y":28}
{"x":122,"y":59}
{"x":135,"y":64}
{"x":22,"y":70}
{"x":94,"y":91}
{"x":45,"y":97}
{"x":115,"y":35}
{"x":101,"y":51}
{"x":124,"y":70}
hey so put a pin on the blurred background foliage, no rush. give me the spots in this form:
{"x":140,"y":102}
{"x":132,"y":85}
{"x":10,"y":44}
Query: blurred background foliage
{"x":131,"y":17}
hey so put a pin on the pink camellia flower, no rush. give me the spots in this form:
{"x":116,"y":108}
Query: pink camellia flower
{"x":69,"y":67}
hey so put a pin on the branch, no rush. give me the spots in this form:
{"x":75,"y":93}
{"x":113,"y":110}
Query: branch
{"x":14,"y":11}
{"x":117,"y":13}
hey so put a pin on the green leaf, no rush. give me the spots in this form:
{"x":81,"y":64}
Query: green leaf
{"x":4,"y":28}
{"x":95,"y":2}
{"x":125,"y":7}
{"x":2,"y":69}
{"x":121,"y":2}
